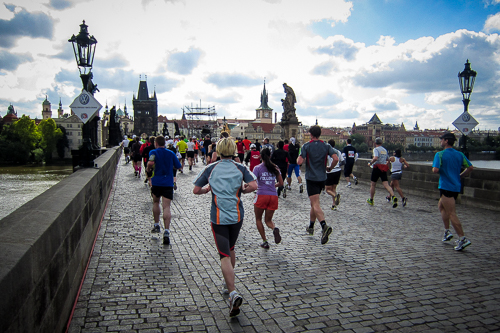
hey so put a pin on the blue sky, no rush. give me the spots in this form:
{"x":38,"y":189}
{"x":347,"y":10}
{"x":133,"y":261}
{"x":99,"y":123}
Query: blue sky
{"x":345,"y":60}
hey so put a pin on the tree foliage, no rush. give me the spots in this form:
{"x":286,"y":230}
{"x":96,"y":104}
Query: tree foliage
{"x":50,"y":134}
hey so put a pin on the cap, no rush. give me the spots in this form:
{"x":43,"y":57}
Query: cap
{"x":253,"y":146}
{"x":448,"y":135}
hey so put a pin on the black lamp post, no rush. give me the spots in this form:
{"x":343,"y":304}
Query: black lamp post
{"x":84,"y":49}
{"x":466,"y":80}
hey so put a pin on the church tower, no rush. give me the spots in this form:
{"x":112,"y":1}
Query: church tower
{"x":47,"y":110}
{"x":145,"y":111}
{"x":264,"y":114}
{"x":60,"y":111}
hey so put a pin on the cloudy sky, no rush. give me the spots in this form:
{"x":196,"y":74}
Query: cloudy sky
{"x":345,"y":60}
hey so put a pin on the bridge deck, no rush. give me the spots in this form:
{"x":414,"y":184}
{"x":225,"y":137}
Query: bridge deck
{"x":383,"y":269}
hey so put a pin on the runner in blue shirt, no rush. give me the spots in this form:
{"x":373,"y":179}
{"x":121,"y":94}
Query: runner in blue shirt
{"x":163,"y":162}
{"x":448,"y":163}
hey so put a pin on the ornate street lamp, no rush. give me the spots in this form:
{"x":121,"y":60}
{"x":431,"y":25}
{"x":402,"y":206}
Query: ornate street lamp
{"x":466,"y":80}
{"x":84,"y":50}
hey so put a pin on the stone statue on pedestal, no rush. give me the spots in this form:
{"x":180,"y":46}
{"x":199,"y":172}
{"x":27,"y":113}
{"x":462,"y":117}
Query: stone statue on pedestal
{"x":289,"y":104}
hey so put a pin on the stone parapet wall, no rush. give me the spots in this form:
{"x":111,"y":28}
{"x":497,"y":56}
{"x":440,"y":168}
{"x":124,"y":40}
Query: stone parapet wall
{"x":482,"y":187}
{"x":45,"y":246}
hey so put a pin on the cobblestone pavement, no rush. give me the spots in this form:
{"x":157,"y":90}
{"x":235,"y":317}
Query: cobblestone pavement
{"x":383,"y":269}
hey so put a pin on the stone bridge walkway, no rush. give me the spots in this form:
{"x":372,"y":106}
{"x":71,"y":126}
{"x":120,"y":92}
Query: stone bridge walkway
{"x":383,"y":269}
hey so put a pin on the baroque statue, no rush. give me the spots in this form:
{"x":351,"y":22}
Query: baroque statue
{"x":288,"y":104}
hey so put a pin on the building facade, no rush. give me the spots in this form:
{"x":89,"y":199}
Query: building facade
{"x":376,"y":129}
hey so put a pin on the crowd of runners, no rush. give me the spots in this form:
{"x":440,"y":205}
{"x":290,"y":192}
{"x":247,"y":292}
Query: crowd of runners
{"x":232,"y":166}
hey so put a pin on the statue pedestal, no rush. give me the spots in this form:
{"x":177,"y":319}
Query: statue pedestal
{"x":290,"y":129}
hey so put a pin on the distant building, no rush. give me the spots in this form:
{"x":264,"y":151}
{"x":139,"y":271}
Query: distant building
{"x":145,"y":111}
{"x":375,"y":128}
{"x":73,"y":127}
{"x":11,"y":116}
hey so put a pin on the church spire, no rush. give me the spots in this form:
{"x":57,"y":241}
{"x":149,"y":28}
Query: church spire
{"x":264,"y":99}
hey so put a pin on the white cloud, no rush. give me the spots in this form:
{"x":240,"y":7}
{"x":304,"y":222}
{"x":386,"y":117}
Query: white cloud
{"x":492,"y":23}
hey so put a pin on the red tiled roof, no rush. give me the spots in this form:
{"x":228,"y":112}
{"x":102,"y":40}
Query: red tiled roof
{"x":266,"y":127}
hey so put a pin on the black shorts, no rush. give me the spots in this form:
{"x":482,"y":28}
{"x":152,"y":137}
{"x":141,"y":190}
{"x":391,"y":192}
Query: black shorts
{"x":196,"y":151}
{"x":225,"y":236}
{"x":190,"y":154}
{"x":314,"y":187}
{"x":377,"y":173}
{"x":126,"y":150}
{"x":448,"y":194}
{"x":137,"y":158}
{"x":348,"y":169}
{"x":241,"y":156}
{"x":332,"y":178}
{"x":163,"y":191}
{"x":183,"y":155}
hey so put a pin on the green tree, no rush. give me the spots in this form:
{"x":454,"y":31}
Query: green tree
{"x":50,"y":134}
{"x":19,"y":140}
{"x":62,"y":143}
{"x":25,"y":130}
{"x":357,"y":139}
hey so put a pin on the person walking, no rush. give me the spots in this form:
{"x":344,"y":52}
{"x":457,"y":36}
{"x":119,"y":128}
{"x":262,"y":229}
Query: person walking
{"x":351,"y":156}
{"x":280,"y":158}
{"x":397,"y":165}
{"x":266,"y":199}
{"x":293,"y":150}
{"x":162,"y":161}
{"x":315,"y":153}
{"x":224,"y":179}
{"x":333,"y":176}
{"x":448,"y":164}
{"x":380,"y":168}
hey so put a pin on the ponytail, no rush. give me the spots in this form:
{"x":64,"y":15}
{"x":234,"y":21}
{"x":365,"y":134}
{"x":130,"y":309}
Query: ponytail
{"x":265,"y":154}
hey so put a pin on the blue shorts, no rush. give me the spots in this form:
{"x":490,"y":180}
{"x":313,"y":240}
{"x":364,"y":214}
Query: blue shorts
{"x":295,"y":167}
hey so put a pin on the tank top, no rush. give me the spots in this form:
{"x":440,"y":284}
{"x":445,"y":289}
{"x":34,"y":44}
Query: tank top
{"x":396,"y":166}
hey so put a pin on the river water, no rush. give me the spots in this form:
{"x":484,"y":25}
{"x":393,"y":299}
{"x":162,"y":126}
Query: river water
{"x":20,"y":184}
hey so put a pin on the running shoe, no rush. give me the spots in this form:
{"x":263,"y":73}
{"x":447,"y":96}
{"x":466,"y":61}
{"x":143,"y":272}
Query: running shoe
{"x":277,"y":236}
{"x":264,"y":245}
{"x":284,"y":192}
{"x":355,"y":181}
{"x":348,"y":185}
{"x":279,"y":191}
{"x":235,"y":301}
{"x":447,"y":236}
{"x":334,"y":208}
{"x":462,"y":244}
{"x":301,"y":188}
{"x":388,"y":198}
{"x":156,"y":229}
{"x":370,"y":201}
{"x":288,"y":187}
{"x":394,"y":202}
{"x":145,"y":181}
{"x":404,"y":201}
{"x":337,"y":199}
{"x":175,"y":186}
{"x":190,"y":167}
{"x":166,"y":237}
{"x":310,"y":231}
{"x":135,"y":174}
{"x":327,"y":230}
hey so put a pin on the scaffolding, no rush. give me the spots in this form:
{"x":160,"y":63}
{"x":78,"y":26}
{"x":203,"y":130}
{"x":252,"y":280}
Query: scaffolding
{"x":200,"y":121}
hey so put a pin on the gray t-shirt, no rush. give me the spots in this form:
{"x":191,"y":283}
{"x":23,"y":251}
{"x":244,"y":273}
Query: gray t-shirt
{"x":315,"y":153}
{"x":382,"y":155}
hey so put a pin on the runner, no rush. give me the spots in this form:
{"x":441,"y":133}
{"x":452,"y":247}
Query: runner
{"x":448,"y":163}
{"x":181,"y":148}
{"x":206,"y":145}
{"x":240,"y":146}
{"x":196,"y":149}
{"x":162,"y":161}
{"x":136,"y":157}
{"x":293,"y":150}
{"x":380,"y":168}
{"x":315,"y":153}
{"x":224,"y":180}
{"x":280,"y":158}
{"x":397,"y":165}
{"x":351,"y":156}
{"x":253,"y":157}
{"x":145,"y":157}
{"x":126,"y":149}
{"x":333,"y":176}
{"x":266,"y":200}
{"x":190,"y":153}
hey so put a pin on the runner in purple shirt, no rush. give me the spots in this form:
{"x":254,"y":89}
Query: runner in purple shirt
{"x":266,"y":198}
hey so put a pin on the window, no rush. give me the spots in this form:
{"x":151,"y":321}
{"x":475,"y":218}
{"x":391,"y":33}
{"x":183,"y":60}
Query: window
{"x":70,"y":141}
{"x":69,"y":133}
{"x":70,"y":125}
{"x":79,"y":133}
